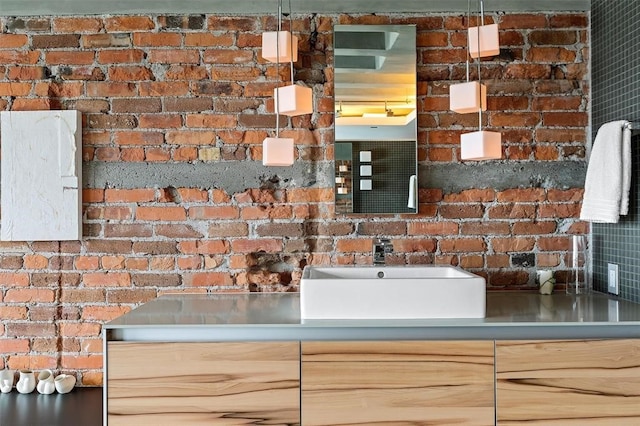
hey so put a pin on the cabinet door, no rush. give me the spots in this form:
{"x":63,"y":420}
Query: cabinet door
{"x":203,"y":383}
{"x":578,"y":382}
{"x":399,"y":383}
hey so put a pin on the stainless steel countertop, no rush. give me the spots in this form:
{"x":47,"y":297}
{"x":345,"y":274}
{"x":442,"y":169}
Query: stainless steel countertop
{"x":276,"y":316}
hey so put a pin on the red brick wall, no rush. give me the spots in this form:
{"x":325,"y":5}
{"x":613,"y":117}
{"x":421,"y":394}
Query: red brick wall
{"x":194,"y":89}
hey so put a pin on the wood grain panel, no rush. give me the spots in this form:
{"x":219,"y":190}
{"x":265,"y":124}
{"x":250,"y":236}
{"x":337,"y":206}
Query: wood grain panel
{"x":203,"y":383}
{"x":578,"y":382}
{"x":399,"y":383}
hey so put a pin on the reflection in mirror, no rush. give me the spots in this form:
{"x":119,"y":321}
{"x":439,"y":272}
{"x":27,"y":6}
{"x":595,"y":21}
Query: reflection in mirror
{"x":375,"y":125}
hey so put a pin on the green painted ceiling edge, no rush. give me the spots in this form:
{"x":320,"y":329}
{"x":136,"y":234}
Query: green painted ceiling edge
{"x":259,"y":7}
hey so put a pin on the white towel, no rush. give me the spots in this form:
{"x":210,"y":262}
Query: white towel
{"x":413,"y":192}
{"x":606,"y":187}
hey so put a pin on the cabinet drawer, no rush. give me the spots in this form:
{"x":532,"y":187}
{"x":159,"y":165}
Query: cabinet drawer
{"x":203,"y":383}
{"x":577,"y":382}
{"x":397,"y":383}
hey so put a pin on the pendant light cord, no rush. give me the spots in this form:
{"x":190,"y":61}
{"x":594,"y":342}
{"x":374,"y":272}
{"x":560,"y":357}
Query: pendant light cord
{"x":468,"y":25}
{"x":481,"y":8}
{"x":277,"y":101}
{"x":291,"y":43}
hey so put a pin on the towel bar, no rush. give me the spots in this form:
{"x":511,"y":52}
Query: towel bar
{"x":633,"y":125}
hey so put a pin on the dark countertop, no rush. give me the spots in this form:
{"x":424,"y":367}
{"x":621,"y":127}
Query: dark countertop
{"x":276,"y":316}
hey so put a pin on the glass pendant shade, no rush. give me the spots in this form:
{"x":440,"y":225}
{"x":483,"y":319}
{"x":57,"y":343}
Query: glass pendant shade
{"x":277,"y":152}
{"x":288,"y":48}
{"x":481,"y":145}
{"x":293,"y":100}
{"x":488,"y":45}
{"x":468,"y":97}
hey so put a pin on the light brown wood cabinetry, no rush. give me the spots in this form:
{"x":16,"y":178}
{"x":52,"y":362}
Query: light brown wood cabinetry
{"x":203,"y":383}
{"x":399,"y":383}
{"x":577,"y":382}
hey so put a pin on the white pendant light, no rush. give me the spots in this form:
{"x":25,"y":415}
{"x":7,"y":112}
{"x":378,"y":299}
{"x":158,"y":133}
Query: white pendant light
{"x":480,"y":145}
{"x":467,"y":97}
{"x":472,"y":95}
{"x":293,"y":100}
{"x":278,"y":151}
{"x":279,"y":46}
{"x":483,"y":40}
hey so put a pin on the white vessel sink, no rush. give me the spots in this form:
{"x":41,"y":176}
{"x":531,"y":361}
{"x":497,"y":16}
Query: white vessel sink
{"x":391,"y":292}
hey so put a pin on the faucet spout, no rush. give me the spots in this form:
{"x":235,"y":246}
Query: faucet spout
{"x":381,"y":246}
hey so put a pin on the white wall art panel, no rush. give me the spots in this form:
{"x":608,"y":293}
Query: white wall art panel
{"x":40,"y":175}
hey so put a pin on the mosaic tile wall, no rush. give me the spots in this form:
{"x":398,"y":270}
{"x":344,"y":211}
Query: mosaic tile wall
{"x":615,"y":36}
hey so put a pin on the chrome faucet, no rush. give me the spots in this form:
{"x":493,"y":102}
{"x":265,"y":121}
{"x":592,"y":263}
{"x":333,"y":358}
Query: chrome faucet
{"x":381,"y":246}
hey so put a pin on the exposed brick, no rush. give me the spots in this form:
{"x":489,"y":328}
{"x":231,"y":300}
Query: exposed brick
{"x":224,"y":56}
{"x":522,"y":21}
{"x":154,"y":247}
{"x":228,"y":229}
{"x":471,"y":195}
{"x":205,"y":246}
{"x":108,"y":246}
{"x":485,"y":228}
{"x":289,"y":230}
{"x":32,"y":362}
{"x":409,"y":245}
{"x":566,"y":195}
{"x":29,"y":295}
{"x":12,"y":313}
{"x":55,"y":41}
{"x":231,"y":23}
{"x":195,"y":279}
{"x":508,"y":278}
{"x":156,"y":280}
{"x":84,"y":295}
{"x":460,"y":211}
{"x":547,"y":260}
{"x":382,"y":228}
{"x":69,"y":57}
{"x":75,"y":25}
{"x":136,"y":105}
{"x":522,"y":195}
{"x":30,"y":329}
{"x":191,"y":22}
{"x":551,"y":54}
{"x":177,"y":231}
{"x":129,"y":195}
{"x":462,"y":245}
{"x":534,"y":228}
{"x":12,"y":41}
{"x":161,"y":213}
{"x":515,"y":244}
{"x":91,"y":41}
{"x":208,"y":40}
{"x":219,"y":212}
{"x":11,"y":346}
{"x":81,"y":362}
{"x":128,"y":23}
{"x":554,"y":243}
{"x":103,"y":313}
{"x":172,"y":56}
{"x":432,"y":228}
{"x":559,"y":210}
{"x":106,"y":279}
{"x":131,"y":295}
{"x":130,"y":73}
{"x":552,"y":37}
{"x":42,"y":313}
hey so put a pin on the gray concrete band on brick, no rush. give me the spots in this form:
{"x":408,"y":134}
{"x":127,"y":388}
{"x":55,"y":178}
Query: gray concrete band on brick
{"x":236,"y":177}
{"x":253,"y":7}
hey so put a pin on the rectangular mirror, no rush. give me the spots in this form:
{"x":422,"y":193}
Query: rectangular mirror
{"x":376,"y":119}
